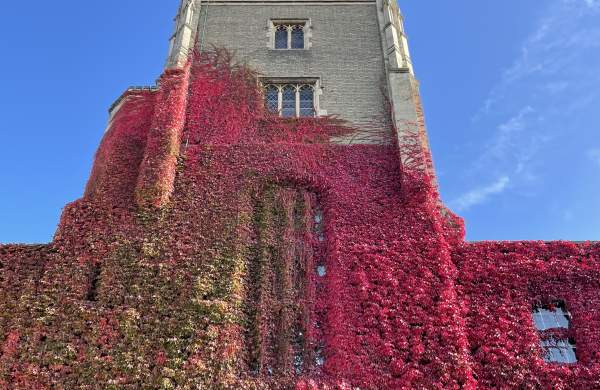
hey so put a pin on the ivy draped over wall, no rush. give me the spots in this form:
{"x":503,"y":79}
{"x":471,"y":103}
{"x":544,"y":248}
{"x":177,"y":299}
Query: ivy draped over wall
{"x":502,"y":282}
{"x":218,"y":246}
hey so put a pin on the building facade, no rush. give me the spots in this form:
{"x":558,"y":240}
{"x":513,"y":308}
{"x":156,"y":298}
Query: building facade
{"x":353,"y":54}
{"x":234,"y":236}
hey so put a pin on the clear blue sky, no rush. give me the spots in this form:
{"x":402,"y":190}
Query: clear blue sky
{"x":511,"y":91}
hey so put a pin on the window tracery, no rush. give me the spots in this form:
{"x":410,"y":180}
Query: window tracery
{"x":289,"y":35}
{"x":281,"y":37}
{"x":272,"y":98}
{"x":290,"y":99}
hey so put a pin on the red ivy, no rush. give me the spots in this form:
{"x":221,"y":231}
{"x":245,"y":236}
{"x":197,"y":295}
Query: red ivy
{"x":405,"y":303}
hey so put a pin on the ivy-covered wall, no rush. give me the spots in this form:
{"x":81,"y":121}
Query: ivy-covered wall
{"x":220,"y":247}
{"x":501,"y":282}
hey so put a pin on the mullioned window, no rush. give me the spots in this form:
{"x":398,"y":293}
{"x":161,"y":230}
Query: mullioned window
{"x":289,"y":35}
{"x":290,"y":99}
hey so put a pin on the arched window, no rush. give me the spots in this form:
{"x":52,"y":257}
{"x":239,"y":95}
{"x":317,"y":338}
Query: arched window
{"x":307,"y":100}
{"x":286,"y":277}
{"x":297,"y":36}
{"x":291,"y":99}
{"x":289,"y":34}
{"x":281,"y":36}
{"x":288,"y":101}
{"x":272,"y":98}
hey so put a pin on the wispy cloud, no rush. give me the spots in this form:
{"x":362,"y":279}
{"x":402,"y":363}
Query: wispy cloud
{"x":480,"y":195}
{"x":549,"y":57}
{"x":508,"y":132}
{"x":534,"y":106}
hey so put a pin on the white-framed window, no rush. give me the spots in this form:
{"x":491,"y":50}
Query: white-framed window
{"x":291,"y":99}
{"x":558,"y":347}
{"x":289,"y":34}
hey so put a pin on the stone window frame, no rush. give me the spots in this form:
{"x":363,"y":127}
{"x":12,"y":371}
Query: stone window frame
{"x":297,"y":82}
{"x":553,"y":322}
{"x":271,"y":28}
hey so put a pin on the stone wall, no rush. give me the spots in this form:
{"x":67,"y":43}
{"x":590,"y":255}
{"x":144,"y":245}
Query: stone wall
{"x":345,"y":52}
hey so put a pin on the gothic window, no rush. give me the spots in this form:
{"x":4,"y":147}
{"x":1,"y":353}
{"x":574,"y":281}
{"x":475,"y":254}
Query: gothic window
{"x":307,"y":100}
{"x":297,"y":36}
{"x":272,"y":98}
{"x":289,"y":35}
{"x":284,"y":327}
{"x":290,"y":99}
{"x":553,"y":322}
{"x":281,"y":37}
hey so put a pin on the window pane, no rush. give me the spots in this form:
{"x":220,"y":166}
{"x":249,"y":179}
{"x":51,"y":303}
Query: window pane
{"x":552,"y":355}
{"x":281,"y":37}
{"x":559,"y":351}
{"x":546,"y":318}
{"x":560,"y":318}
{"x":568,"y":352}
{"x":307,"y":101}
{"x":288,"y":103}
{"x":271,"y":98}
{"x":298,"y":36}
{"x":551,"y":317}
{"x":538,"y":320}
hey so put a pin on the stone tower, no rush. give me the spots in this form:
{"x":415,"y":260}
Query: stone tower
{"x":222,"y":246}
{"x":353,"y":52}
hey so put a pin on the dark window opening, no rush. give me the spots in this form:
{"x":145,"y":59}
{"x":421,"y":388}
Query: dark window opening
{"x":272,"y":98}
{"x":297,"y":36}
{"x":94,"y":279}
{"x":288,"y":101}
{"x":281,"y":37}
{"x":289,"y":35}
{"x":307,"y":104}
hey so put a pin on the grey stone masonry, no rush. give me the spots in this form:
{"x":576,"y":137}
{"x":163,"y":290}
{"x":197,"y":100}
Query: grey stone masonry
{"x":356,"y":53}
{"x":343,"y":53}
